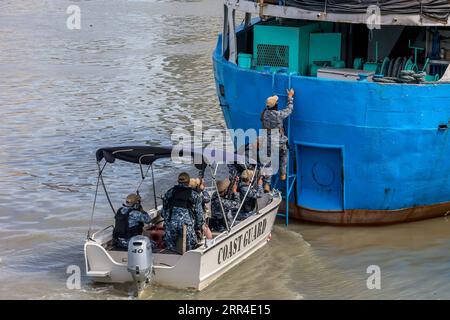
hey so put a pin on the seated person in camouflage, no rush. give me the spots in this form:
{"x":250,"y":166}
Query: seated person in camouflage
{"x":182,"y":206}
{"x":129,"y":221}
{"x":230,"y":205}
{"x":253,"y":194}
{"x":198,"y":186}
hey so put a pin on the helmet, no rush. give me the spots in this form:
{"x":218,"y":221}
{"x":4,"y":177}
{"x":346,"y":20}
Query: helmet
{"x":247,"y":175}
{"x":223,"y":185}
{"x":133,"y":198}
{"x":194,"y":183}
{"x":272,"y":101}
{"x":183,"y":178}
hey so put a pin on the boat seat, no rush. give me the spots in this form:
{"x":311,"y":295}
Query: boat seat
{"x":264,"y":200}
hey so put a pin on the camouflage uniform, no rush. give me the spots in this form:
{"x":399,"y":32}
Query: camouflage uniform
{"x":249,"y":152}
{"x":206,"y":198}
{"x":182,"y":216}
{"x":273,"y":119}
{"x":216,"y":223}
{"x":250,"y":200}
{"x":136,"y":218}
{"x":204,"y":195}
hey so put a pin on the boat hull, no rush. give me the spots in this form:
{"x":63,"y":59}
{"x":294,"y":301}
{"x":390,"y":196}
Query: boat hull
{"x":368,"y":217}
{"x":196,"y":269}
{"x":362,"y":152}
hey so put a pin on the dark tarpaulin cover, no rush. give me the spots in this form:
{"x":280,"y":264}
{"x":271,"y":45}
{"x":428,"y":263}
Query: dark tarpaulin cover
{"x":434,"y":9}
{"x":146,"y":155}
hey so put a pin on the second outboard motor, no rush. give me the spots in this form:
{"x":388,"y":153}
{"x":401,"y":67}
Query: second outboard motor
{"x":140,"y":260}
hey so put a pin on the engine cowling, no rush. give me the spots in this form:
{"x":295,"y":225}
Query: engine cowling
{"x":140,"y":260}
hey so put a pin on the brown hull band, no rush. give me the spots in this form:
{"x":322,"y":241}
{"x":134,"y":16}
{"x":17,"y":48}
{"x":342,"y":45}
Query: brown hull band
{"x":367,"y":217}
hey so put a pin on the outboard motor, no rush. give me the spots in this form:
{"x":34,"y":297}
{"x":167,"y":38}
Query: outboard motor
{"x":140,"y":260}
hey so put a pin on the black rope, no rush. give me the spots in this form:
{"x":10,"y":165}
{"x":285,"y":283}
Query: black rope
{"x":154,"y":188}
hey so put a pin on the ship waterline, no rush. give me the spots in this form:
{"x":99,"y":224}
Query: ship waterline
{"x":361,"y":151}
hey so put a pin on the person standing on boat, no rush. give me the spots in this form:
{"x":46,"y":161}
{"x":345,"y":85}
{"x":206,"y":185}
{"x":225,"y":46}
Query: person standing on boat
{"x":253,"y":194}
{"x":182,"y":206}
{"x":129,"y":221}
{"x":230,"y":205}
{"x":272,"y":119}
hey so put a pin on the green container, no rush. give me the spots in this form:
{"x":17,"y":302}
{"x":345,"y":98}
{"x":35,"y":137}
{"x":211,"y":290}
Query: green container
{"x":245,"y":60}
{"x":325,"y":47}
{"x":280,"y":47}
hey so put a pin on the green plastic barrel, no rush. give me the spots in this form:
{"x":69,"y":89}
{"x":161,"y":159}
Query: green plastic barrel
{"x":245,"y":60}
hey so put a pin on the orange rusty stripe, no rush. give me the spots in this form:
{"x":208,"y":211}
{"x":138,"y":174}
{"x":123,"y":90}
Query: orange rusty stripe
{"x":367,"y":217}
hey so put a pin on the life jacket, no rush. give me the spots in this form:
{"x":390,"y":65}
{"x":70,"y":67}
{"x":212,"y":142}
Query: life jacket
{"x":181,"y":198}
{"x":121,"y":226}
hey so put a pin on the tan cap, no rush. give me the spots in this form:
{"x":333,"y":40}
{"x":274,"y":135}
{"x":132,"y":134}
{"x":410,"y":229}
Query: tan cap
{"x":247,"y":175}
{"x":222,"y":185}
{"x":272,"y":101}
{"x":183,"y":178}
{"x":194,"y":182}
{"x":133,"y":198}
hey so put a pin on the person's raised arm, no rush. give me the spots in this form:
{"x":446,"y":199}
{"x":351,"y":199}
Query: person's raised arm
{"x":290,"y":106}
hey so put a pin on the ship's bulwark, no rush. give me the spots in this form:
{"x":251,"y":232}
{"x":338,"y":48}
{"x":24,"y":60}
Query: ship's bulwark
{"x":387,"y":146}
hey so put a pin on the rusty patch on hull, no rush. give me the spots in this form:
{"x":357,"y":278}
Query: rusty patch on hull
{"x":367,"y":217}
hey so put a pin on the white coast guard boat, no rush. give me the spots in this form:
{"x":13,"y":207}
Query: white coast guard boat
{"x":194,"y":269}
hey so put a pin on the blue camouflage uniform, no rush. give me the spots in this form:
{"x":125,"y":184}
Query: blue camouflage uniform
{"x":217,"y":223}
{"x":250,"y":154}
{"x":136,"y":219}
{"x":192,"y":218}
{"x":273,"y":119}
{"x":206,"y":198}
{"x":250,"y":201}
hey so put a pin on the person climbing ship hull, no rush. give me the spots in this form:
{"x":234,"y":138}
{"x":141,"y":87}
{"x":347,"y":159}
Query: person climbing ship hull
{"x":363,"y":152}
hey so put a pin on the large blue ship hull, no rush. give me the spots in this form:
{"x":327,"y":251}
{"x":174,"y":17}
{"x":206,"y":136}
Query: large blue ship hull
{"x":366,"y":153}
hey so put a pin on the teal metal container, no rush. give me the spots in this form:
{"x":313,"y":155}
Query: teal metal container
{"x":245,"y":60}
{"x":325,"y":47}
{"x":276,"y":47}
